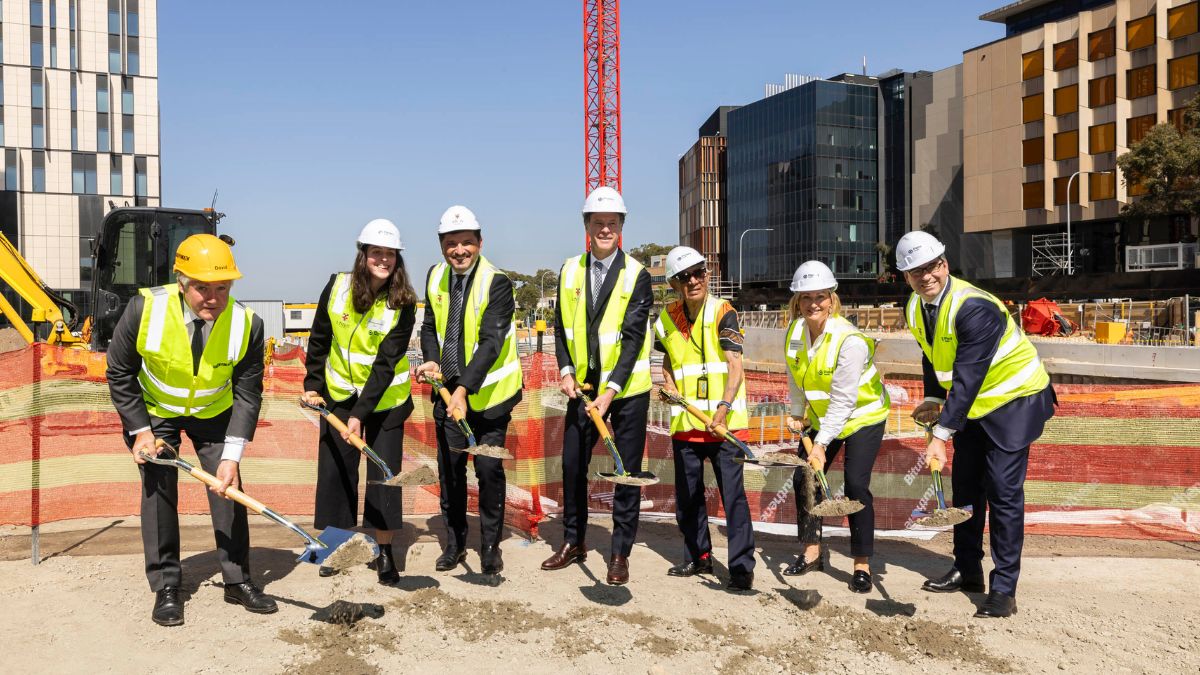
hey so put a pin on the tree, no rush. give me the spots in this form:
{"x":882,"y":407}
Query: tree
{"x":529,"y":288}
{"x":644,"y":252}
{"x":1166,"y":163}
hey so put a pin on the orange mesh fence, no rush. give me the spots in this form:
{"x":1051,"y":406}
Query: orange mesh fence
{"x":1116,"y":461}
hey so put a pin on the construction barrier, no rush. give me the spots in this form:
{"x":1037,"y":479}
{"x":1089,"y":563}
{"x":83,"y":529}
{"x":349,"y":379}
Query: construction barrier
{"x":1116,"y":461}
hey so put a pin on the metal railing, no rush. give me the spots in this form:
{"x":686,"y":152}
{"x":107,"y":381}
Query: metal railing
{"x":1160,"y":257}
{"x":1050,"y":254}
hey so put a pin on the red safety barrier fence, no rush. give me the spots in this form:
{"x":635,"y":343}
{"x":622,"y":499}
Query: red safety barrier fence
{"x":1116,"y":461}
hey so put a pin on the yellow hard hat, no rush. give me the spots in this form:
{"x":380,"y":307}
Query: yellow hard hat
{"x":204,"y":257}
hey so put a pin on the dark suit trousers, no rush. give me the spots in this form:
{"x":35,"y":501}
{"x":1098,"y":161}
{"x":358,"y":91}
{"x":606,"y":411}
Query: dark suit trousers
{"x":628,"y":418}
{"x":452,"y":475}
{"x":160,"y":502}
{"x":337,"y":472}
{"x":691,"y":512}
{"x":989,"y":480}
{"x":862,"y":447}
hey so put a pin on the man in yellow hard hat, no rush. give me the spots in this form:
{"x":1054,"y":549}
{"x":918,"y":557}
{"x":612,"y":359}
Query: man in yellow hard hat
{"x":186,"y":358}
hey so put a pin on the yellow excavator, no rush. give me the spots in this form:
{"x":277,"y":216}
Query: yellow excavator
{"x":134,"y":248}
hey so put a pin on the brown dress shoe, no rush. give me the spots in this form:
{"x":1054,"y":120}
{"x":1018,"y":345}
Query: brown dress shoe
{"x":618,"y":570}
{"x":569,"y":553}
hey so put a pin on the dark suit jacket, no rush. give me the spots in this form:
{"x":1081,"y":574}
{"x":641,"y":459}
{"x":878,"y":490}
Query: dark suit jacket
{"x":980,"y":326}
{"x":494,"y":325}
{"x":124,"y":363}
{"x":633,"y":328}
{"x":393,"y":348}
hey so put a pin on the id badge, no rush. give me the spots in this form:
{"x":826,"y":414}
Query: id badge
{"x":702,"y":387}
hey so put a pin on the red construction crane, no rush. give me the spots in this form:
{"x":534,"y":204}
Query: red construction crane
{"x":602,"y":93}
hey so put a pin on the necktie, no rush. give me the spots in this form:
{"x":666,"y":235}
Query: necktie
{"x":197,"y":344}
{"x":452,"y":347}
{"x":930,"y":315}
{"x":597,"y":281}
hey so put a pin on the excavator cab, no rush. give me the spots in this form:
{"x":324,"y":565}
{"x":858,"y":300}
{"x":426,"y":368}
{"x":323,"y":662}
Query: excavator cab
{"x":135,"y":249}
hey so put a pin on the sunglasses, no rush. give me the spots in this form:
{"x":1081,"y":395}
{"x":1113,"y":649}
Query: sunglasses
{"x":686,"y":276}
{"x":926,"y":269}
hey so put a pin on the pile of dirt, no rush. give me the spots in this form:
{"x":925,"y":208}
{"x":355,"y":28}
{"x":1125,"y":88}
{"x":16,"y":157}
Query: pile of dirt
{"x":11,"y":340}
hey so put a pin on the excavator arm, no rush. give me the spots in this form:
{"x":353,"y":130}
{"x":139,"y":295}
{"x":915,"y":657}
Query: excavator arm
{"x":46,"y":306}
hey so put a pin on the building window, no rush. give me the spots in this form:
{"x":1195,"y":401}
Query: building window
{"x":131,"y":21}
{"x":1032,"y":64}
{"x":1033,"y":151}
{"x":1066,"y":144}
{"x":114,"y":21}
{"x":10,"y":170}
{"x":39,"y":171}
{"x":1066,"y":54}
{"x":1102,"y":44}
{"x":35,"y":12}
{"x":1136,"y":128}
{"x":127,"y":95}
{"x":115,"y":182}
{"x":1182,"y":72}
{"x":132,"y":60}
{"x":36,"y":51}
{"x":1138,"y":189}
{"x":1060,"y":190}
{"x":1182,"y":20}
{"x":1178,"y":119}
{"x":103,"y":138}
{"x":114,"y":53}
{"x":1102,"y":91}
{"x":1102,"y":138}
{"x":140,"y":183}
{"x":1066,"y":100}
{"x":1139,"y":33}
{"x":1033,"y":195}
{"x":1,"y":123}
{"x":1141,"y":81}
{"x":74,"y":130}
{"x":127,"y":134}
{"x":102,"y":93}
{"x":1102,"y":186}
{"x":1033,"y":108}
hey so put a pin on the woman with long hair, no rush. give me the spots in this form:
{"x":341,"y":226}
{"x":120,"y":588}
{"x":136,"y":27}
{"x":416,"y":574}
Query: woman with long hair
{"x":835,"y":385}
{"x":357,"y":362}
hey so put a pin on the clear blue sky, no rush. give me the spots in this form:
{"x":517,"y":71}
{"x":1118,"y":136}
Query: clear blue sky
{"x":311,"y":118}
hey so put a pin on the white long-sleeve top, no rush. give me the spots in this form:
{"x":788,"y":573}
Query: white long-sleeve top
{"x":843,"y":394}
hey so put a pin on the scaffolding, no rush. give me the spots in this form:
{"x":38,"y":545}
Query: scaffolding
{"x":1051,"y":254}
{"x":1160,"y":257}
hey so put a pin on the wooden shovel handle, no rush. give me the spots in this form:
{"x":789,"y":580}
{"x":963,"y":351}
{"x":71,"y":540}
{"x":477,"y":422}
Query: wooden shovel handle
{"x":597,"y":419}
{"x":808,"y":447}
{"x":336,"y":423}
{"x":456,"y":414}
{"x":214,"y":482}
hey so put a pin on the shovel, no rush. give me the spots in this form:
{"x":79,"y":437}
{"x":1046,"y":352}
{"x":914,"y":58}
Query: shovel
{"x":943,"y":516}
{"x":335,"y":547}
{"x":435,"y":381}
{"x":420,"y":476}
{"x":830,"y":505}
{"x":621,"y":476}
{"x":776,"y":460}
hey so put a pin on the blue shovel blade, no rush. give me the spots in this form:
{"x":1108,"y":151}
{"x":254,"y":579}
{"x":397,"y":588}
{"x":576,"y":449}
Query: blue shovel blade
{"x":333,"y":538}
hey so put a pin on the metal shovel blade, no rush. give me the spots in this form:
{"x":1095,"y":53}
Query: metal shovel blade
{"x":639,"y":479}
{"x":942,"y":517}
{"x":415,"y":478}
{"x":772,"y":460}
{"x":493,"y":451}
{"x":837,"y":506}
{"x":342,"y":549}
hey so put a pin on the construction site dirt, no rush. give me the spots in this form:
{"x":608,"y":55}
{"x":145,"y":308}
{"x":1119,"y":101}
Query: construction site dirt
{"x":1077,"y":598}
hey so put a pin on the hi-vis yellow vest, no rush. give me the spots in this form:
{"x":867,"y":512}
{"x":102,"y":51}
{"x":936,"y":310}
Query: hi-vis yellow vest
{"x":504,"y":378}
{"x":814,"y":375}
{"x":572,"y":301}
{"x":697,"y":357}
{"x":1015,"y":371}
{"x":356,"y":340}
{"x":168,"y":386}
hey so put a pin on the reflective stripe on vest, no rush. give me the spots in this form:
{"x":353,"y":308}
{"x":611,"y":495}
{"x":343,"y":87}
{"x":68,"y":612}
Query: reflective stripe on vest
{"x":689,"y":363}
{"x":1015,"y":370}
{"x":355,"y":344}
{"x":504,"y":378}
{"x":812,"y":370}
{"x":572,"y":287}
{"x":169,"y":387}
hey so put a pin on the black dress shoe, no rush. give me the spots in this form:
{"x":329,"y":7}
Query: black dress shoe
{"x":385,"y":565}
{"x":692,"y":567}
{"x":954,"y":581}
{"x":490,"y":560}
{"x":997,"y":606}
{"x":251,"y":597}
{"x":861,"y":582}
{"x":741,"y":581}
{"x":802,"y":566}
{"x":168,"y":607}
{"x":452,"y":557}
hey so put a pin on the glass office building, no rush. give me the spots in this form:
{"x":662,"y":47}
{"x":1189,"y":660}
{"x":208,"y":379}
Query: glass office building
{"x":803,"y":164}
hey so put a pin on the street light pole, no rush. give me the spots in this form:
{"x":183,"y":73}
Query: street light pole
{"x":542,"y":288}
{"x":741,"y":271}
{"x":1070,"y":251}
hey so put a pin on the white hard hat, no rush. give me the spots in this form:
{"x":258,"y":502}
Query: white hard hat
{"x":381,"y":232}
{"x":604,"y":200}
{"x":917,"y":248}
{"x":681,"y":258}
{"x":457,"y":219}
{"x":813,"y":275}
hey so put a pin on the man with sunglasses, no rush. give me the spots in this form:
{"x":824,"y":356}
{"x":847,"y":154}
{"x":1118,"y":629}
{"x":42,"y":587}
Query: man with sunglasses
{"x":703,"y":364}
{"x":986,"y":387}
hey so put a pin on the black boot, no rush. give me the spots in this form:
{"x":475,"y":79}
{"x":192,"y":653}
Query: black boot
{"x":385,"y":565}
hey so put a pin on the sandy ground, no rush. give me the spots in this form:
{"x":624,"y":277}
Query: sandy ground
{"x":1085,"y":605}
